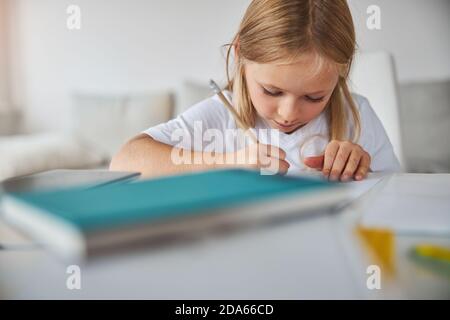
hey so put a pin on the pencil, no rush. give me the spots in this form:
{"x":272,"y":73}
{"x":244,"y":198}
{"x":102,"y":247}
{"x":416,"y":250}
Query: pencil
{"x":433,"y":252}
{"x":228,"y":105}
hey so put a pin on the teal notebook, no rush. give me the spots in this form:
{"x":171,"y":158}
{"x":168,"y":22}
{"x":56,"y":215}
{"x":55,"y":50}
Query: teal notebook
{"x":152,"y":206}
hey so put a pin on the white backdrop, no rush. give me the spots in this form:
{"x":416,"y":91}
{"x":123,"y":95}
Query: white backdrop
{"x":142,"y":45}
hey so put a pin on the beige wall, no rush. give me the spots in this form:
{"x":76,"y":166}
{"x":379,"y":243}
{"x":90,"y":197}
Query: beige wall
{"x":4,"y":70}
{"x":139,"y":45}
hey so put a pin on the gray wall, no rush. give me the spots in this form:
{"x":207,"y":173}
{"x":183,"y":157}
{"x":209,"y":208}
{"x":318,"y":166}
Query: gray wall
{"x":145,"y":45}
{"x":148,"y":44}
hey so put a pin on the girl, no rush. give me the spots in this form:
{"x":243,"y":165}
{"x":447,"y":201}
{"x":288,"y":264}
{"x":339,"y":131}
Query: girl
{"x":291,"y":63}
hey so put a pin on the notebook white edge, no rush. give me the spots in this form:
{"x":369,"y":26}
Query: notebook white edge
{"x":47,"y":230}
{"x":72,"y":245}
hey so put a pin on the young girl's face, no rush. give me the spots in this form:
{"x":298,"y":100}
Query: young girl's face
{"x":288,"y":96}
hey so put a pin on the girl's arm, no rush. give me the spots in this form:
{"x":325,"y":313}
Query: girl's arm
{"x":152,"y":158}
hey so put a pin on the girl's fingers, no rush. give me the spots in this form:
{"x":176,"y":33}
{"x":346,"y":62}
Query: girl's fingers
{"x":352,"y":165}
{"x":283,"y":166}
{"x":330,"y":153}
{"x":276,"y":166}
{"x":275,"y":152}
{"x":314,"y":162}
{"x":363,"y":167}
{"x":340,"y":160}
{"x":272,"y":159}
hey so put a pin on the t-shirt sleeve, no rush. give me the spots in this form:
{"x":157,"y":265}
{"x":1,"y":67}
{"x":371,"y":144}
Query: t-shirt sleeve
{"x":182,"y":130}
{"x":375,"y":140}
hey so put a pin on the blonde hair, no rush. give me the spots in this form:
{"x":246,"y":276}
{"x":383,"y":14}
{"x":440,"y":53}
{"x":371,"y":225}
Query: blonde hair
{"x":281,"y":30}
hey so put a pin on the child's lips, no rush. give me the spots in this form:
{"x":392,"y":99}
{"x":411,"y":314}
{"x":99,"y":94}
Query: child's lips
{"x":282,"y":126}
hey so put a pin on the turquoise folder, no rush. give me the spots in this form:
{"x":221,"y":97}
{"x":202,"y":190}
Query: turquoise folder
{"x":145,"y":201}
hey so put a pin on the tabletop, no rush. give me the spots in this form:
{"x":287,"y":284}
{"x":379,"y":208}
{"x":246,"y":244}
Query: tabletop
{"x":324,"y":255}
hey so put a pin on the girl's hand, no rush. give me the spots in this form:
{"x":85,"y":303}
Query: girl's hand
{"x":262,"y":156}
{"x":342,"y":160}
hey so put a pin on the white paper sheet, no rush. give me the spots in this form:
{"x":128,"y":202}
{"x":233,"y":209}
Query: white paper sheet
{"x":411,"y":203}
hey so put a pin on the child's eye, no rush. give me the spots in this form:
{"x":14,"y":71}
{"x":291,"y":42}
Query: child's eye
{"x":269,"y":93}
{"x":315,"y":100}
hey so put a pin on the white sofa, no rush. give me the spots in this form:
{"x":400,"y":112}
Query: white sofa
{"x":373,"y":75}
{"x":102,"y":123}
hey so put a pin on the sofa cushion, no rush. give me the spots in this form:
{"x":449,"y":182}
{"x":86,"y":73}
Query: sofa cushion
{"x":425,"y":114}
{"x":27,"y":154}
{"x":108,"y":121}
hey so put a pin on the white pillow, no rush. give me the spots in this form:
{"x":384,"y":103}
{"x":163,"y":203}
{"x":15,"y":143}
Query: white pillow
{"x":108,"y":121}
{"x":373,"y":76}
{"x":27,"y":154}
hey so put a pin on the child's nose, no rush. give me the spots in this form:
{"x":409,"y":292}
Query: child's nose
{"x":288,"y":111}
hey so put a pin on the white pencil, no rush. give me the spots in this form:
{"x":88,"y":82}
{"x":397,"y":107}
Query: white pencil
{"x":229,"y":106}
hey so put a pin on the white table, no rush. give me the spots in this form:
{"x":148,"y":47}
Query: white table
{"x":306,"y":258}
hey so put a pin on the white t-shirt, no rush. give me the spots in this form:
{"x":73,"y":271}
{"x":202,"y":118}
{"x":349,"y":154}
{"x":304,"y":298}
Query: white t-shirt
{"x":199,"y":127}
